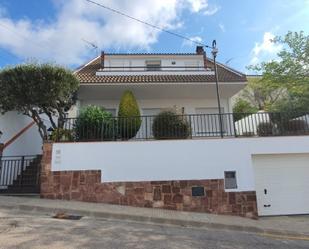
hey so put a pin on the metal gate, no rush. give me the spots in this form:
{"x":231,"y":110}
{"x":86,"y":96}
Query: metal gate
{"x":20,"y":174}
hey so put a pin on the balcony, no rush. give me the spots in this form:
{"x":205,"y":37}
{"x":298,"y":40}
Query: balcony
{"x":161,"y":70}
{"x":194,"y":126}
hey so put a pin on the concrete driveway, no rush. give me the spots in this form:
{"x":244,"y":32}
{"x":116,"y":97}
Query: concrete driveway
{"x":31,"y":230}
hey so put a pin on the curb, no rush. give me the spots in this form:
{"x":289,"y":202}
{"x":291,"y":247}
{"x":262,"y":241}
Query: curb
{"x":158,"y":220}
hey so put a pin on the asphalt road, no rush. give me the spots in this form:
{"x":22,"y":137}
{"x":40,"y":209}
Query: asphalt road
{"x":28,"y":230}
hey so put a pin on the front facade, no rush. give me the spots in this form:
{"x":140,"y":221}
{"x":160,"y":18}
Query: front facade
{"x":158,"y":81}
{"x":222,"y":167}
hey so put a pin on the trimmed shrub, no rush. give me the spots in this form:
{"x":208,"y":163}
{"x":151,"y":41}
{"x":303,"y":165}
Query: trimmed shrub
{"x":170,"y":125}
{"x":94,"y":123}
{"x":296,"y":125}
{"x":61,"y":135}
{"x":129,"y":120}
{"x":265,"y":129}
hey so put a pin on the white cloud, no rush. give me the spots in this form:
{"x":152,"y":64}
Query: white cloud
{"x":203,"y":6}
{"x":265,"y":50}
{"x":222,"y":27}
{"x":191,"y":43}
{"x":61,"y":40}
{"x":211,"y":10}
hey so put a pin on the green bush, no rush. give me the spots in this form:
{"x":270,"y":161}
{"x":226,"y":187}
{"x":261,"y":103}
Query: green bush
{"x":94,"y":123}
{"x":265,"y":129}
{"x":129,"y":120}
{"x":170,"y":125}
{"x":61,"y":135}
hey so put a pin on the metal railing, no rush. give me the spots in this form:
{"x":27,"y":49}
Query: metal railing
{"x":127,"y":68}
{"x":186,"y":126}
{"x":13,"y":171}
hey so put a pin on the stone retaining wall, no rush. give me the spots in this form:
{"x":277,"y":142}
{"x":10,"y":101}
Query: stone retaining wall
{"x":176,"y":195}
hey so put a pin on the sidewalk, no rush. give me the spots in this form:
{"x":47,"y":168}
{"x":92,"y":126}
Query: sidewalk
{"x":282,"y":225}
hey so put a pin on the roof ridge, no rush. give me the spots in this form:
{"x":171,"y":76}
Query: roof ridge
{"x":153,"y":53}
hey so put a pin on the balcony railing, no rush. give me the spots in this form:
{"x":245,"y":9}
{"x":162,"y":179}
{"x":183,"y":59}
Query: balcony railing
{"x":161,"y":70}
{"x":191,"y":126}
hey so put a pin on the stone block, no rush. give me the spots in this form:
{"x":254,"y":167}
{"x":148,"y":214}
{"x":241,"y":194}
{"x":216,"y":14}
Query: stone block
{"x":158,"y":204}
{"x":148,"y":204}
{"x":148,"y":188}
{"x":75,"y":195}
{"x":166,"y":189}
{"x":209,"y":193}
{"x":148,"y":196}
{"x":176,"y":190}
{"x":183,"y":184}
{"x":167,"y":199}
{"x":177,"y":198}
{"x":121,"y":189}
{"x":251,"y":198}
{"x":157,"y":194}
{"x":139,"y":191}
{"x":187,"y":200}
{"x":232,"y":198}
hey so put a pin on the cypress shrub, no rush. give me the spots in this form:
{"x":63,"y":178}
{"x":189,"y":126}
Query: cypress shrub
{"x":94,"y":123}
{"x":170,"y":125}
{"x":129,"y":120}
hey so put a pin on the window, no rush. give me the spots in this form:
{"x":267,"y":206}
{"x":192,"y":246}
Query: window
{"x":112,"y":111}
{"x":230,"y":181}
{"x":153,"y":65}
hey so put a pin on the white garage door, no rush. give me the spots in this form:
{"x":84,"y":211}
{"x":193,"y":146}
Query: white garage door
{"x":282,"y":183}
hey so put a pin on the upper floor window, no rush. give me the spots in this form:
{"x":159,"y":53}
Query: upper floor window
{"x":153,"y":65}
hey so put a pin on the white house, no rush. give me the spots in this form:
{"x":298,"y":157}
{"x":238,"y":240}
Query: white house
{"x":213,"y":170}
{"x":158,"y":81}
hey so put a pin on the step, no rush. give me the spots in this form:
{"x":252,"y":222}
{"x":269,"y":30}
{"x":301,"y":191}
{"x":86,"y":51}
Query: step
{"x":24,"y":183}
{"x":22,"y":189}
{"x":31,"y":168}
{"x":27,"y":174}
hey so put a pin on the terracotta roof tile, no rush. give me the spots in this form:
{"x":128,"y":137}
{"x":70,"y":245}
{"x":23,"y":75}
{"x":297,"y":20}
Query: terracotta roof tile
{"x":87,"y":75}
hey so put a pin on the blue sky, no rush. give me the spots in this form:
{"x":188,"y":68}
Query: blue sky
{"x":56,"y":30}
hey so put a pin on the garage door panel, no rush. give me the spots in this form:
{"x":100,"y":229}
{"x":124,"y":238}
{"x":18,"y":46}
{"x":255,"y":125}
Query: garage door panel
{"x":285,"y":178}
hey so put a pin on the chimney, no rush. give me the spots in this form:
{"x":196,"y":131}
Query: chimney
{"x":199,"y":50}
{"x":102,"y":59}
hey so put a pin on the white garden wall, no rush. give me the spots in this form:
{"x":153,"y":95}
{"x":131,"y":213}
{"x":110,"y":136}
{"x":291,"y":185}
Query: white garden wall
{"x":173,"y":160}
{"x":29,"y":143}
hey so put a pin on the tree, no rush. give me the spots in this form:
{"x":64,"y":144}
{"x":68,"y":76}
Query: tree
{"x":129,"y":121}
{"x":261,"y":94}
{"x":37,"y":89}
{"x":284,"y":84}
{"x":243,"y":108}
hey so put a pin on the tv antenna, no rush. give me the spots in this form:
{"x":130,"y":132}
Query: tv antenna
{"x":92,"y":44}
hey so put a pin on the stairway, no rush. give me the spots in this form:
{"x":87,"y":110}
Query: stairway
{"x":28,"y":181}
